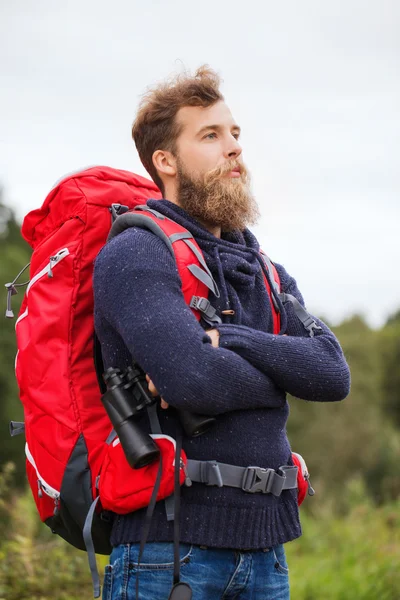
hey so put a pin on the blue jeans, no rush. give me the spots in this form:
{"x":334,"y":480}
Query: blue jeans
{"x":212,"y":574}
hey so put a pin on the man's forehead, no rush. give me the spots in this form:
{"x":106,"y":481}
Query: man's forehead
{"x":194,"y":118}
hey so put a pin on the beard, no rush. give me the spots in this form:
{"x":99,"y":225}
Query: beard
{"x":217,"y":200}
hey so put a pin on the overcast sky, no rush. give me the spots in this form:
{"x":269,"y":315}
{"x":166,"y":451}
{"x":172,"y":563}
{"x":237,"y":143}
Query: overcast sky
{"x":314,"y":85}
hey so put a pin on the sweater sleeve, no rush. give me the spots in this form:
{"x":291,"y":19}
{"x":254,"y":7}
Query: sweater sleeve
{"x":138,"y":292}
{"x":310,"y":368}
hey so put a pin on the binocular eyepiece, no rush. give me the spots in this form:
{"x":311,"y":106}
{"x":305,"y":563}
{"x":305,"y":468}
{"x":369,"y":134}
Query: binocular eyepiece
{"x":125,"y":400}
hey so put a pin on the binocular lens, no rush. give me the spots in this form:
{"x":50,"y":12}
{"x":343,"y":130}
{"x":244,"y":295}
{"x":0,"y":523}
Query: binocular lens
{"x":139,"y":448}
{"x":147,"y":459}
{"x":194,"y":424}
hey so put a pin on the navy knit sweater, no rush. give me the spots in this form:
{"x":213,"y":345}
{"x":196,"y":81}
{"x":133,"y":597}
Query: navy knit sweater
{"x":140,"y":312}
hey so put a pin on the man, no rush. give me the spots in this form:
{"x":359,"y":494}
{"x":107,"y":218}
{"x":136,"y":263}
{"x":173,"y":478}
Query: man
{"x":239,"y":371}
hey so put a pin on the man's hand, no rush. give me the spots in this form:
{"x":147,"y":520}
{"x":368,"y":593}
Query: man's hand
{"x":153,"y":391}
{"x":214,"y":335}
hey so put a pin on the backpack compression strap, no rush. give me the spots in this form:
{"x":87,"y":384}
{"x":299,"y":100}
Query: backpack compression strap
{"x":197,"y":280}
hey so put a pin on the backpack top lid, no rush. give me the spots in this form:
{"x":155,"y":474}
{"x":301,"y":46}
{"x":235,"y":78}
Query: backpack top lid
{"x":69,"y":198}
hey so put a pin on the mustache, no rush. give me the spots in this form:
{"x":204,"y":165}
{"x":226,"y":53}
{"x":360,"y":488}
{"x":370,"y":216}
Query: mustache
{"x":225,"y":169}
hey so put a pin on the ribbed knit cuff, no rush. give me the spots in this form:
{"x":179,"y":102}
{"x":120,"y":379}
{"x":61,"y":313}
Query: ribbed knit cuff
{"x":238,"y":336}
{"x":257,"y":347}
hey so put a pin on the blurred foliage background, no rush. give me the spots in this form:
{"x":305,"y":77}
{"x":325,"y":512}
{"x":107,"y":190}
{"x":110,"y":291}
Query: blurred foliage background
{"x":350,"y":549}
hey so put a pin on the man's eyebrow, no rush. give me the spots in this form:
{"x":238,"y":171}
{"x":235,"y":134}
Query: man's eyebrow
{"x":217,"y":128}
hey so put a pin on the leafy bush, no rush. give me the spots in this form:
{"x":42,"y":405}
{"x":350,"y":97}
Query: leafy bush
{"x":356,"y":557}
{"x":34,"y":563}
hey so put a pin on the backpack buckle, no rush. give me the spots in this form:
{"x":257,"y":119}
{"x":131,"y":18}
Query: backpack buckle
{"x":117,"y":209}
{"x":311,"y":326}
{"x":199,"y":303}
{"x":256,"y":479}
{"x":208,"y":312}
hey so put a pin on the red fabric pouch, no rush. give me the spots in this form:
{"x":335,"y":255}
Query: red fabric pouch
{"x":302,"y":477}
{"x":123,"y":489}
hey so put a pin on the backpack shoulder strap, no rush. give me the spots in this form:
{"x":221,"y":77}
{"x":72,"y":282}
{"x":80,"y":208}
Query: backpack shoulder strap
{"x":309,"y":323}
{"x":197,"y":280}
{"x":274,"y":281}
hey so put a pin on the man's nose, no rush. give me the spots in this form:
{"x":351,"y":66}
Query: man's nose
{"x":233,"y":149}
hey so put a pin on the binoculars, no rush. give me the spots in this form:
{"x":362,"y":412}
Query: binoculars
{"x":125,"y":401}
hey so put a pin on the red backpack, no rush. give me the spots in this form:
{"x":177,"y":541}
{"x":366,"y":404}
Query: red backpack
{"x":71,"y":458}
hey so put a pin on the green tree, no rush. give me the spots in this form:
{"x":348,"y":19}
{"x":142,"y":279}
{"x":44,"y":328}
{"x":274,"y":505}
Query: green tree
{"x":350,"y":440}
{"x":389,"y":352}
{"x":15,"y":254}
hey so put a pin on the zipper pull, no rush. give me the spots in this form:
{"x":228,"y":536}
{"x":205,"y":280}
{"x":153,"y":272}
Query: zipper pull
{"x":188,"y":481}
{"x":53,"y":259}
{"x":40,"y":492}
{"x":12,"y":290}
{"x":311,"y":490}
{"x":56,"y":506}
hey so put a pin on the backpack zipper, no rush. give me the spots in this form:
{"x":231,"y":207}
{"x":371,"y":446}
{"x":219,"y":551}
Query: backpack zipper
{"x":12,"y":287}
{"x":43,"y":486}
{"x":306,"y":474}
{"x":188,"y":481}
{"x":48,"y":269}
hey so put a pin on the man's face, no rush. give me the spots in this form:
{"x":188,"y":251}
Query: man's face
{"x":209,"y":137}
{"x":212,"y":181}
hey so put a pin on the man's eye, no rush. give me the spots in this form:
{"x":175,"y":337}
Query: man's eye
{"x":210,"y":136}
{"x":236,"y":135}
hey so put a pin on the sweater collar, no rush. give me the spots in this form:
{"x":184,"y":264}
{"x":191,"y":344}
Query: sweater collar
{"x":233,"y":258}
{"x":239,"y":240}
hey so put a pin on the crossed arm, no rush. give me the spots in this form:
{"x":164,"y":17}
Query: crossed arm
{"x":138,"y":293}
{"x":320,"y":369}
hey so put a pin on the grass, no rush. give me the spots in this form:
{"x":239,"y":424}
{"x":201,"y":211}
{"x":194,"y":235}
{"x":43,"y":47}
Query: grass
{"x":356,"y":557}
{"x":350,"y":557}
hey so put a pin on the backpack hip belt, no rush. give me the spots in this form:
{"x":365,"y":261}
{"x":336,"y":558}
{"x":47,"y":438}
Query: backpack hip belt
{"x":250,"y":479}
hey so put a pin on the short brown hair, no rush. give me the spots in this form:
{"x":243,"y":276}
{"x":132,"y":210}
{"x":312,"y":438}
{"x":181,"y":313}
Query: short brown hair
{"x":155,"y":126}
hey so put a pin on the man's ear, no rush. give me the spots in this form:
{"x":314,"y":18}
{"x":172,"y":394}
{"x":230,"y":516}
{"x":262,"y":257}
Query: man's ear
{"x":165,"y":163}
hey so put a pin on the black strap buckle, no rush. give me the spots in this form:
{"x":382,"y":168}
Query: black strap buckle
{"x":117,"y":209}
{"x":16,"y":428}
{"x":208,"y":312}
{"x":199,"y":303}
{"x":311,"y":326}
{"x":256,"y":479}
